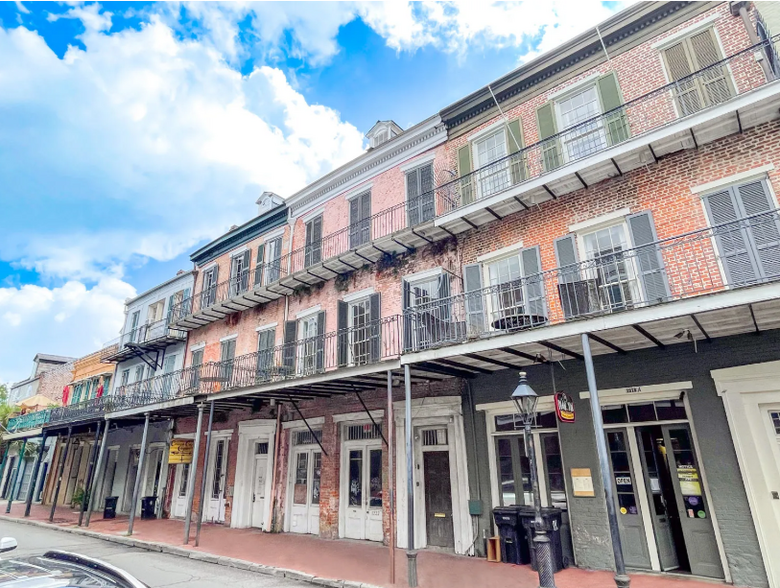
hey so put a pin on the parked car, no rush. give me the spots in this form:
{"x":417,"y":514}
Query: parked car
{"x":58,"y":569}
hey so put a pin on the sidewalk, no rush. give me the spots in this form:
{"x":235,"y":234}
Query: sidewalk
{"x":349,"y":560}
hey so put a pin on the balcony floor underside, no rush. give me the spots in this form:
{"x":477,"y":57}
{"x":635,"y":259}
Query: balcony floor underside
{"x":132,"y":350}
{"x":729,"y":118}
{"x":703,"y":318}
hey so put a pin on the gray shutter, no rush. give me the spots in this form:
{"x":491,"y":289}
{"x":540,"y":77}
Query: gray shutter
{"x":533,"y":278}
{"x":365,"y":218}
{"x":679,"y":66}
{"x":427,"y":202}
{"x":259,"y":264}
{"x":354,"y":223}
{"x":169,"y":316}
{"x":464,"y":171}
{"x":615,"y":119}
{"x":410,"y":318}
{"x":475,"y":305}
{"x":764,"y":230}
{"x":320,"y":341}
{"x":545,"y":119}
{"x":649,"y":260}
{"x":266,"y":342}
{"x":375,"y":327}
{"x":245,"y":270}
{"x":715,"y":82}
{"x":317,"y":240}
{"x":342,"y":332}
{"x":732,"y":240}
{"x":413,"y":197}
{"x":574,"y":292}
{"x":566,"y":256}
{"x":517,"y":159}
{"x":445,"y":306}
{"x":289,"y":349}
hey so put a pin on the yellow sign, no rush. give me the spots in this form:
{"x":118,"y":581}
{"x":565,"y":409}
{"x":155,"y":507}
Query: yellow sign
{"x":181,"y":451}
{"x":689,"y":480}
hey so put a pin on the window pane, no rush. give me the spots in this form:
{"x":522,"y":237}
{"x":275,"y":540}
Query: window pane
{"x":668,"y":410}
{"x":301,"y":478}
{"x":614,"y":414}
{"x":315,"y":483}
{"x":556,"y":485}
{"x":356,"y":478}
{"x":641,"y":412}
{"x":506,"y":475}
{"x":375,"y":478}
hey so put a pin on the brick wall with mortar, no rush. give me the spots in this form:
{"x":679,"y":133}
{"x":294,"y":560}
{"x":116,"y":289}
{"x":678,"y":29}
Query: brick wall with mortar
{"x":52,"y":382}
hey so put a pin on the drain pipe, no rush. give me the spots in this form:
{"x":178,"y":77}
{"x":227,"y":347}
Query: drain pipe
{"x":740,"y":9}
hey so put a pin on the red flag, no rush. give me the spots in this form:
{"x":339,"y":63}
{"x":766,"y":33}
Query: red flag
{"x":99,"y":392}
{"x":65,"y":394}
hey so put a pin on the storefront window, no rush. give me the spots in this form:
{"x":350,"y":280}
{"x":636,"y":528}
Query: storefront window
{"x":624,"y":482}
{"x":315,"y":484}
{"x":356,"y":478}
{"x":643,"y":412}
{"x":375,"y":477}
{"x":512,"y":422}
{"x":553,"y":464}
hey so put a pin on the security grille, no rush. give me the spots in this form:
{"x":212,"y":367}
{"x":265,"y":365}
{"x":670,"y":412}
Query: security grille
{"x":433,"y":437}
{"x":306,"y":438}
{"x":360,"y":432}
{"x":775,"y":416}
{"x":261,"y":448}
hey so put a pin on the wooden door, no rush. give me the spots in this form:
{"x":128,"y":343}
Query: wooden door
{"x":438,"y":499}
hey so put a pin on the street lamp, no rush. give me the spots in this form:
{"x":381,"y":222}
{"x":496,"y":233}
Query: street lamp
{"x":525,"y":399}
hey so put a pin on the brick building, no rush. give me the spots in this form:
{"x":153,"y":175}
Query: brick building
{"x":604,"y":218}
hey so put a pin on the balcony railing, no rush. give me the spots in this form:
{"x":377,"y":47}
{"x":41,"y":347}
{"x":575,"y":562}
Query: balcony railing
{"x":84,"y":410}
{"x":670,"y":269}
{"x":705,"y":88}
{"x":147,"y":335}
{"x":370,"y":343}
{"x":31,"y":420}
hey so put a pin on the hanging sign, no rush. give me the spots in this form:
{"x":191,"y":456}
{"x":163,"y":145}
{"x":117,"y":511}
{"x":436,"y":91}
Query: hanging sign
{"x":181,"y":451}
{"x":564,"y":407}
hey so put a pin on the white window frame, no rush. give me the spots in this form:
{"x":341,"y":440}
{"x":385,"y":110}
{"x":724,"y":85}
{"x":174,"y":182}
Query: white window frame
{"x":474,"y":143}
{"x":578,"y":89}
{"x":490,"y":259}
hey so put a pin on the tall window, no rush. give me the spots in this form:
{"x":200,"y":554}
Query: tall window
{"x":209,"y":287}
{"x":493,"y":177}
{"x":239,"y":273}
{"x":307,"y":349}
{"x":266,"y":341}
{"x":360,"y":220}
{"x":588,"y":138}
{"x":708,"y":87}
{"x":515,"y":296}
{"x":614,"y":273}
{"x":359,"y":317}
{"x":420,"y":202}
{"x":134,"y":318}
{"x":125,"y":378}
{"x":227,"y":357}
{"x":196,"y":362}
{"x":273,"y":252}
{"x":429,"y":317}
{"x":313,"y":252}
{"x":139,"y":373}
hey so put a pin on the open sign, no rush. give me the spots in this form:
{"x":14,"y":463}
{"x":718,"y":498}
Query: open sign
{"x":564,"y":407}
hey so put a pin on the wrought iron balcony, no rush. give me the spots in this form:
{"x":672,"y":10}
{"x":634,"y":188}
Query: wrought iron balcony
{"x":81,"y":411}
{"x":371,"y":343}
{"x":142,"y":339}
{"x":31,"y":420}
{"x":700,"y":91}
{"x":671,"y":269}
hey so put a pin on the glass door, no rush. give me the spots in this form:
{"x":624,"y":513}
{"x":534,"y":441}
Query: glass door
{"x":364,"y":492}
{"x":305,"y":512}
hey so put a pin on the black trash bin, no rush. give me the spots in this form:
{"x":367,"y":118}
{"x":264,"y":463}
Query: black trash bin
{"x":551,"y":518}
{"x":148,"y":504}
{"x":514,"y":548}
{"x":109,"y":509}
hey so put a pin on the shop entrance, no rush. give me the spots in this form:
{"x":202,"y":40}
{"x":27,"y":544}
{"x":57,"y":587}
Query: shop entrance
{"x":215,"y":501}
{"x":305,"y":509}
{"x":181,"y":483}
{"x":439,"y":526}
{"x":259,"y":484}
{"x":663,"y":513}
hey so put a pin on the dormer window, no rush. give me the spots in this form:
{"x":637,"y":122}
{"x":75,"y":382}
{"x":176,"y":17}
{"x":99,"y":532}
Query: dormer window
{"x":381,"y":132}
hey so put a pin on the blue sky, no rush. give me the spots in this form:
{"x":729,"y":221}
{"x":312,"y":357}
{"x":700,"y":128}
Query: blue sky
{"x":131,"y":133}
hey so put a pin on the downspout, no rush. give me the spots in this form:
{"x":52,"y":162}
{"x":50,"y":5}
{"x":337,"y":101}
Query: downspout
{"x":740,"y":9}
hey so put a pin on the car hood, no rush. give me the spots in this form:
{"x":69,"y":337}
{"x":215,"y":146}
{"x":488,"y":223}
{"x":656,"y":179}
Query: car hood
{"x":42,"y":572}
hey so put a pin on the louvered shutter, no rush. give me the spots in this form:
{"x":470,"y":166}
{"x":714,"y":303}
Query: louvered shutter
{"x":365,"y":218}
{"x":732,"y":240}
{"x":573,"y":291}
{"x":320,"y":341}
{"x":475,"y":305}
{"x":289,"y":349}
{"x":342,"y":335}
{"x":313,"y":241}
{"x":649,"y":260}
{"x":354,"y":223}
{"x":517,"y":159}
{"x":611,"y":102}
{"x":171,"y":304}
{"x":764,"y":230}
{"x":545,"y":119}
{"x":427,"y":202}
{"x":534,"y":284}
{"x":266,"y":342}
{"x":464,"y":169}
{"x":244,"y":281}
{"x":714,"y":82}
{"x":444,"y":296}
{"x":679,"y":66}
{"x":259,"y":265}
{"x":410,"y":318}
{"x":375,"y":327}
{"x":413,"y":197}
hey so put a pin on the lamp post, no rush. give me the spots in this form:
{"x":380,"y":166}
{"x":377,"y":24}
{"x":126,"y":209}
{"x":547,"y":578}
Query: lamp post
{"x":525,"y":399}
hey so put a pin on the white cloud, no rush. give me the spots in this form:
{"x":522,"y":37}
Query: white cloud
{"x":75,"y":320}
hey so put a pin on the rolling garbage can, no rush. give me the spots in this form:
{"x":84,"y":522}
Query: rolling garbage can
{"x":109,"y":509}
{"x":514,"y":549}
{"x":148,"y":504}
{"x":551,"y":519}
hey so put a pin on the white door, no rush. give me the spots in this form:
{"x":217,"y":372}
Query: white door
{"x":179,"y":506}
{"x":215,"y":511}
{"x":258,"y":490}
{"x":363,"y":482}
{"x":305,"y":482}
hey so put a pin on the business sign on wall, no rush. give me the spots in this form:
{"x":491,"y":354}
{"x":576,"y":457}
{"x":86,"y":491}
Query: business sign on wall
{"x":564,"y":407}
{"x":181,"y":451}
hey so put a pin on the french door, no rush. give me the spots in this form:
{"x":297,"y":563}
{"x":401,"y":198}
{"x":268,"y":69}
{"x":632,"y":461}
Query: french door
{"x":363,"y":482}
{"x":305,"y":491}
{"x":181,"y":487}
{"x":215,"y":503}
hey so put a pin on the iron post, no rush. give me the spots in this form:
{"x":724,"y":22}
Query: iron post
{"x":204,"y":476}
{"x":16,"y":475}
{"x":64,"y":458}
{"x":34,"y":479}
{"x":193,"y":472}
{"x":90,"y":473}
{"x":621,"y":579}
{"x":98,"y":489}
{"x":411,"y":554}
{"x":138,"y":474}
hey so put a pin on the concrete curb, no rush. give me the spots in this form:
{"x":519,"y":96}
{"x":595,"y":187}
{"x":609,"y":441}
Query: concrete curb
{"x":203,"y":556}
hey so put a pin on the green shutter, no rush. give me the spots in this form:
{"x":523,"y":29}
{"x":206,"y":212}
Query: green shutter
{"x":550,"y":150}
{"x":464,"y":168}
{"x":517,"y":159}
{"x":616,"y":122}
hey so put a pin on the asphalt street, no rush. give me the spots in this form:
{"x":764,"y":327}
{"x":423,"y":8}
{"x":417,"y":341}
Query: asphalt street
{"x":154,"y":569}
